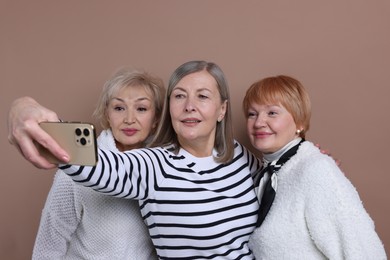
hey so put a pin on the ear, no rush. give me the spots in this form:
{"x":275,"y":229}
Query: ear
{"x":223,"y":111}
{"x":155,"y":123}
{"x":299,"y":130}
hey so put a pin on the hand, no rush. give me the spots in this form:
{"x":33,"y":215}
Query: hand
{"x":24,"y":117}
{"x":338,"y":162}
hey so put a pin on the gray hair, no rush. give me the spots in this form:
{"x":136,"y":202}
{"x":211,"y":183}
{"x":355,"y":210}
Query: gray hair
{"x":224,"y":141}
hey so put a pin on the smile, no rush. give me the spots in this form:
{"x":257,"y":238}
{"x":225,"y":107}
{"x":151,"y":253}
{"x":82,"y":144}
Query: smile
{"x":190,"y":121}
{"x":129,"y":132}
{"x":261,"y":135}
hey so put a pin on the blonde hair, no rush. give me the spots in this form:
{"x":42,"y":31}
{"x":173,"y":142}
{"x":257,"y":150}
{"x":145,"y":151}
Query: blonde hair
{"x":128,"y":78}
{"x":284,"y":90}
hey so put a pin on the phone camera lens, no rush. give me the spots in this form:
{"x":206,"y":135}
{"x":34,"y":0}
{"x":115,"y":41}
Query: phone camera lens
{"x":86,"y":132}
{"x":78,"y":131}
{"x":83,"y":141}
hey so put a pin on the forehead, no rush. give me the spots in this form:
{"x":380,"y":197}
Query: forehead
{"x":266,"y":98}
{"x":266,"y":106}
{"x":133,"y":92}
{"x":133,"y":89}
{"x":201,"y":80}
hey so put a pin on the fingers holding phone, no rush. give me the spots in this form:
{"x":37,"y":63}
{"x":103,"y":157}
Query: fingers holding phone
{"x":24,"y":131}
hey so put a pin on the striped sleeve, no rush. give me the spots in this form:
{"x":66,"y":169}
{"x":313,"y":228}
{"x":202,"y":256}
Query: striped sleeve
{"x":116,"y":174}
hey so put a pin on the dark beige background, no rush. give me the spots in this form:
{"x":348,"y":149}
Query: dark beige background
{"x":61,"y":52}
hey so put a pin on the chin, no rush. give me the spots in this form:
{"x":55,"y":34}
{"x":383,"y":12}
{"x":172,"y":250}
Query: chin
{"x":263,"y":149}
{"x":259,"y":146}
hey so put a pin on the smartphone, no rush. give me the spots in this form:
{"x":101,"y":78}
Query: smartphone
{"x":78,"y":139}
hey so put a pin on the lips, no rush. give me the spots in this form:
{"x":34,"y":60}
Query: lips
{"x":190,"y":121}
{"x":130,"y":131}
{"x":261,"y":134}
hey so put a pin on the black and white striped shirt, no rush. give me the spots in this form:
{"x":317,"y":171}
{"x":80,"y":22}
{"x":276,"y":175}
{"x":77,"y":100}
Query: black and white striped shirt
{"x":194,"y":207}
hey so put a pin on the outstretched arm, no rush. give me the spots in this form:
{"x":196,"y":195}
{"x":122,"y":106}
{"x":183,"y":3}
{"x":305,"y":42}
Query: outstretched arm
{"x":24,"y":117}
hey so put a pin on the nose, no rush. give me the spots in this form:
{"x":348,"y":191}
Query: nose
{"x":129,"y":117}
{"x":261,"y":121}
{"x":189,"y":105}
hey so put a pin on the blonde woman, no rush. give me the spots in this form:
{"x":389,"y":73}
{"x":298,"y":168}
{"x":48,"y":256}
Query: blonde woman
{"x":79,"y":223}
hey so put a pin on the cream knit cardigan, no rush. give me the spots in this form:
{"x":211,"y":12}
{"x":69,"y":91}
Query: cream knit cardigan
{"x":79,"y":223}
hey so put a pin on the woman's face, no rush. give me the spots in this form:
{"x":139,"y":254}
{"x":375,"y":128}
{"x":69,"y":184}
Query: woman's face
{"x":195,"y":107}
{"x":270,"y":127}
{"x":131,"y":115}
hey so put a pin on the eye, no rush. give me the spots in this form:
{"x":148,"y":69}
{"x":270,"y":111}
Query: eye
{"x":142,"y":109}
{"x":178,"y":96}
{"x":272,"y":113}
{"x":251,"y":114}
{"x":201,"y":96}
{"x":119,"y":108}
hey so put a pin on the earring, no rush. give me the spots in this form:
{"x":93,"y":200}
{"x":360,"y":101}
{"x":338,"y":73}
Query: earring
{"x":298,"y":131}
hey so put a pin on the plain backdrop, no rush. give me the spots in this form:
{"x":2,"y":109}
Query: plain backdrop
{"x":61,"y":52}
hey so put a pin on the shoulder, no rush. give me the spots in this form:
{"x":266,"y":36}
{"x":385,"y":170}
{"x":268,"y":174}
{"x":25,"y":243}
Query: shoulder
{"x":64,"y":194}
{"x":62,"y":180}
{"x":64,"y":186}
{"x":244,"y":155}
{"x":322,"y":175}
{"x":153,"y":153}
{"x":239,"y":148}
{"x":311,"y":159}
{"x":317,"y":170}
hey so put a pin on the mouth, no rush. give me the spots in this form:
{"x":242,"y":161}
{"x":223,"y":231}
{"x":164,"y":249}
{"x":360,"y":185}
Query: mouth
{"x":190,"y":122}
{"x":261,"y":134}
{"x":129,"y":132}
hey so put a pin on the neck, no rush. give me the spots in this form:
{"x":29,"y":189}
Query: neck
{"x":198,"y":149}
{"x":122,"y":148}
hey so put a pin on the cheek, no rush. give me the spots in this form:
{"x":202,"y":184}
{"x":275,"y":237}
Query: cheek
{"x":249,"y":126}
{"x":173,"y":110}
{"x":114,"y":120}
{"x":150,"y":123}
{"x":176,"y":104}
{"x":288,"y":127}
{"x":109,"y":120}
{"x":148,"y":120}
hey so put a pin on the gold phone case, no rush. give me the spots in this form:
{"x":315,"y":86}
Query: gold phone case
{"x":78,"y":139}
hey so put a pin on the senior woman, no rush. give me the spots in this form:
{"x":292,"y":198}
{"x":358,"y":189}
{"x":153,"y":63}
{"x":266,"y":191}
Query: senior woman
{"x":194,"y":185}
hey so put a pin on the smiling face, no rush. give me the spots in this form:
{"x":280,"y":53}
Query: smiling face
{"x":195,"y":108}
{"x":270,"y":127}
{"x":131,"y":115}
{"x":275,"y":109}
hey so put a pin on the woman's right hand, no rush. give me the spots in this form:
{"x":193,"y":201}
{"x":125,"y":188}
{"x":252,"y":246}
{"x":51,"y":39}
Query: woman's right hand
{"x":24,"y":131}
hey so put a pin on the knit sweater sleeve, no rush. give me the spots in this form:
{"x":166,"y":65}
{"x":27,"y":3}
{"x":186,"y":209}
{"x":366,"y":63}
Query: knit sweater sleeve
{"x":59,"y":220}
{"x":337,"y":221}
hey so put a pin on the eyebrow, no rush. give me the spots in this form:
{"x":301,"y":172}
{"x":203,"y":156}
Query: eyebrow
{"x":198,"y":90}
{"x":137,"y":100}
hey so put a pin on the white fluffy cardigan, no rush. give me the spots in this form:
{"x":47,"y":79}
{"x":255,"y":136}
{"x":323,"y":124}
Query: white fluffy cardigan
{"x":316,"y":214}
